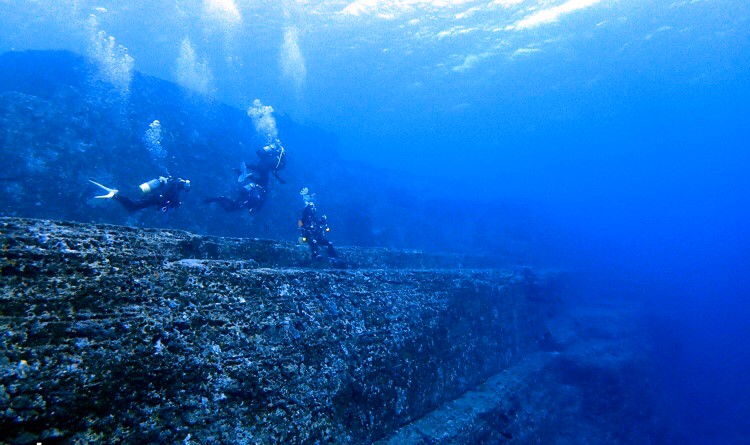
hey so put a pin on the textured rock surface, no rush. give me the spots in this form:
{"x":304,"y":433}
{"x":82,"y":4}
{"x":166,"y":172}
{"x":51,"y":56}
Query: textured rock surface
{"x":588,"y":385}
{"x":121,"y":335}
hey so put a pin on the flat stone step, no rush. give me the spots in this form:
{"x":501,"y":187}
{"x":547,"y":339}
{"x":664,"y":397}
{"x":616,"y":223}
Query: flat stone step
{"x":590,"y":385}
{"x":497,"y":411}
{"x":42,"y":237}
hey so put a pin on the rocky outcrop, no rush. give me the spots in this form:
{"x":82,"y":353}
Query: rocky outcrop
{"x":122,"y":335}
{"x":588,"y":383}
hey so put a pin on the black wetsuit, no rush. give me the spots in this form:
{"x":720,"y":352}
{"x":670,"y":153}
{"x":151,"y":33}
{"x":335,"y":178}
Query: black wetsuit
{"x":314,"y":230}
{"x":166,"y":197}
{"x":269,"y":162}
{"x":251,"y":197}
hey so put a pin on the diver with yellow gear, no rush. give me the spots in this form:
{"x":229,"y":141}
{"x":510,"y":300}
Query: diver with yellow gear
{"x":162,"y":192}
{"x":314,"y":228}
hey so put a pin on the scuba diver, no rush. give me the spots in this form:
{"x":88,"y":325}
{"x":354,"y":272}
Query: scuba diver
{"x":162,"y":192}
{"x":256,"y":177}
{"x":251,"y":197}
{"x":314,"y":228}
{"x":271,"y":159}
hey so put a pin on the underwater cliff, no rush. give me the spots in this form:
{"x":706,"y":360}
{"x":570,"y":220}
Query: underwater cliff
{"x":540,"y":207}
{"x":215,"y":329}
{"x":125,"y":335}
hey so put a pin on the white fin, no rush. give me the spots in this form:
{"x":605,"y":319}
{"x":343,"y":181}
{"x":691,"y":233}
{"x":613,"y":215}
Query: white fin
{"x":243,"y":175}
{"x":110,"y":192}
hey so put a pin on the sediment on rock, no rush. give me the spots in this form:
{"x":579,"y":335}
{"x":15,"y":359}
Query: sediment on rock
{"x":141,"y":336}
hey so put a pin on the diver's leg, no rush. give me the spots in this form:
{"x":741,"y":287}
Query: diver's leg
{"x":130,"y":205}
{"x":329,"y":246}
{"x":313,"y":247}
{"x":331,"y":251}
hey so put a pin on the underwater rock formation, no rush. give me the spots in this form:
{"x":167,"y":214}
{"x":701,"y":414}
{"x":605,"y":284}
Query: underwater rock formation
{"x":124,"y":335}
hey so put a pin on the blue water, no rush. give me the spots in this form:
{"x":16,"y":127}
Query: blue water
{"x":622,"y":125}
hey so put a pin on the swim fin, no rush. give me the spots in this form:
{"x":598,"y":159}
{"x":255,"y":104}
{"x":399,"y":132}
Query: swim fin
{"x":243,"y":173}
{"x":110,"y":192}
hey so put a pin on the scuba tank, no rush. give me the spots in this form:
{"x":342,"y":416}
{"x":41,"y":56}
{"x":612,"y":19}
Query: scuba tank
{"x":150,"y":186}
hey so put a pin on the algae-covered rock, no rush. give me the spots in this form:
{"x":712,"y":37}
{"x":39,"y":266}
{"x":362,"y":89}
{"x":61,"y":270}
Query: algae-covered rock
{"x":135,"y":336}
{"x":125,"y":335}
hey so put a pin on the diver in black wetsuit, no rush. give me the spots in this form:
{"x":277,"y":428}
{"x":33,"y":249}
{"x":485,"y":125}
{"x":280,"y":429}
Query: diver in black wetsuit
{"x":251,"y":197}
{"x":256,"y":177}
{"x":314,"y":229}
{"x":162,"y":192}
{"x":271,"y":159}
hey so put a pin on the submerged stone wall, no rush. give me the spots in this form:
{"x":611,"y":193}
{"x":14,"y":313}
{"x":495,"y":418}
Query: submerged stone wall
{"x":122,"y":335}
